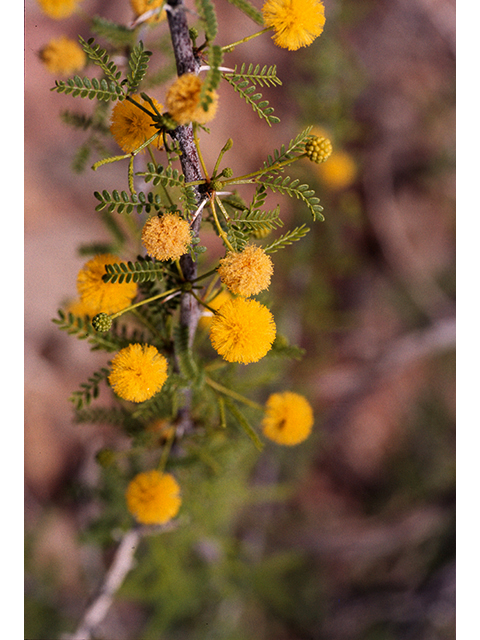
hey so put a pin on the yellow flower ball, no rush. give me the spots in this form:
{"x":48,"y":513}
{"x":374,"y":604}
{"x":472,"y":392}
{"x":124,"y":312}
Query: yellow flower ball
{"x":339,"y":172}
{"x":296,"y":23}
{"x":58,"y":9}
{"x":246,"y":273}
{"x":166,"y":238}
{"x":138,"y":372}
{"x":153,"y":497}
{"x":131,"y":126}
{"x":288,"y":418}
{"x":242,"y":330}
{"x":183,"y":101}
{"x":63,"y":56}
{"x":98,"y":296}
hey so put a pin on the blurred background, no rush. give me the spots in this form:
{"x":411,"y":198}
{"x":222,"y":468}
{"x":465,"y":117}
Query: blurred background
{"x":350,"y":536}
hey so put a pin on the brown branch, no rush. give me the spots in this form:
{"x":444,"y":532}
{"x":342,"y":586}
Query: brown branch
{"x":121,"y":565}
{"x":186,"y":63}
{"x":114,"y":578}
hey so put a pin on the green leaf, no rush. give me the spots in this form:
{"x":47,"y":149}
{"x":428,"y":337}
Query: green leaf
{"x":258,"y":220}
{"x":89,"y":390}
{"x":116,"y":34}
{"x":138,"y":64}
{"x":213,"y":76}
{"x":209,"y":18}
{"x":264,"y":77}
{"x":122,"y":202}
{"x":249,"y":10}
{"x":287,"y":239}
{"x":282,"y":348}
{"x":236,"y":237}
{"x":166,"y":176}
{"x":245,"y":91}
{"x":243,"y":422}
{"x":169,"y":177}
{"x":101,"y":58}
{"x":89,"y":88}
{"x":303,"y":192}
{"x":141,"y":271}
{"x":103,"y":415}
{"x":295,"y":146}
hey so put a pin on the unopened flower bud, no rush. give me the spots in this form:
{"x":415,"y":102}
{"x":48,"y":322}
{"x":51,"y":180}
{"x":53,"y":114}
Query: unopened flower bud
{"x":102,"y":322}
{"x":228,"y":145}
{"x":318,"y":149}
{"x":216,"y":185}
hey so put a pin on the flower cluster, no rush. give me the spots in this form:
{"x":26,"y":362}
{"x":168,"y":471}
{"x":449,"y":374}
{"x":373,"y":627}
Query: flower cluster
{"x":183,"y":101}
{"x":318,"y":149}
{"x":59,"y":9}
{"x":131,"y":126}
{"x":288,"y":418}
{"x":242,"y":330}
{"x":246,"y":273}
{"x":138,"y":372}
{"x":296,"y":22}
{"x":99,"y":296}
{"x":166,"y":238}
{"x":153,"y":497}
{"x":63,"y":56}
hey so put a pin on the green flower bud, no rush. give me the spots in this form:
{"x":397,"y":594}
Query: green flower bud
{"x":318,"y":149}
{"x":217,"y":185}
{"x":193,"y":33}
{"x":227,"y":172}
{"x":102,"y":322}
{"x":228,"y":145}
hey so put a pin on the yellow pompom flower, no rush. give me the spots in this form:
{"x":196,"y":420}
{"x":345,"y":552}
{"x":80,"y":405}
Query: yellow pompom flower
{"x":296,"y":22}
{"x":318,"y":149}
{"x":246,"y":273}
{"x":99,"y":296}
{"x":131,"y":126}
{"x":166,"y":238}
{"x":242,"y":330}
{"x":141,"y":6}
{"x":153,"y":497}
{"x":138,"y":372}
{"x":183,"y":101}
{"x":339,"y":172}
{"x":63,"y":56}
{"x":58,"y":9}
{"x":288,"y":418}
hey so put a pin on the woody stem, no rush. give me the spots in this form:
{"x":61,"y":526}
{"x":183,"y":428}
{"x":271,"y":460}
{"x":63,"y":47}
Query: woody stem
{"x":186,"y":63}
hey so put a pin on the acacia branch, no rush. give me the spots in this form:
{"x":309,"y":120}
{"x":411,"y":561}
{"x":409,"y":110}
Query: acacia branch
{"x":121,"y":565}
{"x":186,"y":63}
{"x":114,"y":578}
